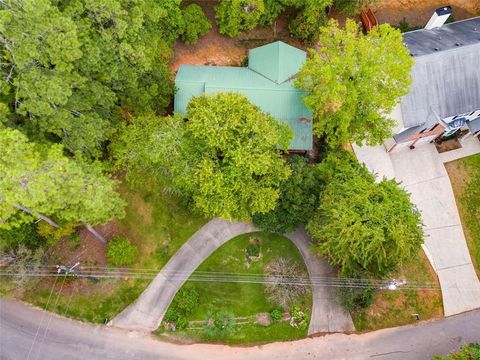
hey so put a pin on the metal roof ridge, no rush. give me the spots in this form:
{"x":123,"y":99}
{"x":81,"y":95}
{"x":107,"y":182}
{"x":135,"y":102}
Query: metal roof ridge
{"x":450,"y":49}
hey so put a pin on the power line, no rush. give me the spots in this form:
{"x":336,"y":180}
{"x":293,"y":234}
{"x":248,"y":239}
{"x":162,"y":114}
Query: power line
{"x":205,"y":276}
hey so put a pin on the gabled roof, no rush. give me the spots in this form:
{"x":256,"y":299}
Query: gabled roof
{"x":445,"y":81}
{"x":276,"y":61}
{"x":282,"y":100}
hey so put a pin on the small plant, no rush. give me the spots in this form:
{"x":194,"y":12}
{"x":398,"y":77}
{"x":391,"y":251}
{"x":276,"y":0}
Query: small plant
{"x":276,"y":314}
{"x":186,"y":300}
{"x":54,"y":234}
{"x":121,"y":252}
{"x":219,"y":324}
{"x":299,"y":318}
{"x":278,"y":291}
{"x":353,"y":299}
{"x":404,"y":26}
{"x":253,"y":249}
{"x":171,"y":316}
{"x":195,"y":24}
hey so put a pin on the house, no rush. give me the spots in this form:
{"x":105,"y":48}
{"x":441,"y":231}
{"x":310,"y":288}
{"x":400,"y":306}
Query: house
{"x":267,"y":82}
{"x":445,"y":94}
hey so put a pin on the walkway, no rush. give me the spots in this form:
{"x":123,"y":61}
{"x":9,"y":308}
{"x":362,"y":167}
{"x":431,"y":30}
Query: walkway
{"x":470,"y":146}
{"x":422,"y":174}
{"x":327,"y":314}
{"x":60,"y":338}
{"x":147,"y":312}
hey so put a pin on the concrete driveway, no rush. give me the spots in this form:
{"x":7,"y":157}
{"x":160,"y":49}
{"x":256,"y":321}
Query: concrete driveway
{"x":147,"y":312}
{"x":422,"y":173}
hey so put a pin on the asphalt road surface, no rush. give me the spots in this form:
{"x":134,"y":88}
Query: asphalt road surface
{"x":27,"y":333}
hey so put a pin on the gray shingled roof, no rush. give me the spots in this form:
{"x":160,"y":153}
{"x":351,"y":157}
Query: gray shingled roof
{"x":446,"y":81}
{"x":474,"y":125}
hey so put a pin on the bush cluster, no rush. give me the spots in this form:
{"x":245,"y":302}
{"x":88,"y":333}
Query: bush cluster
{"x":185,"y":302}
{"x":121,"y":252}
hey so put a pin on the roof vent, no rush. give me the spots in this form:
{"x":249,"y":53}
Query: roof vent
{"x":439,"y":17}
{"x":436,"y":49}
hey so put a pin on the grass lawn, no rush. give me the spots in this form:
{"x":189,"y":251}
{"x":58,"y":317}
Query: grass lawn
{"x":244,"y":299}
{"x":155,"y":222}
{"x":460,"y":173}
{"x":395,"y":308}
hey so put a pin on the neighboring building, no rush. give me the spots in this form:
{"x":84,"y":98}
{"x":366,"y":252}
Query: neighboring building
{"x":267,"y":82}
{"x":445,"y":94}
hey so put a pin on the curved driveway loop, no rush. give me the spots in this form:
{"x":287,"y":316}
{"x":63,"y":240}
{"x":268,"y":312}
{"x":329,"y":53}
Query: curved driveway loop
{"x":147,"y":312}
{"x":327,"y":314}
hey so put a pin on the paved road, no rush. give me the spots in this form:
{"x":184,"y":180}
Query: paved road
{"x":147,"y":312}
{"x":67,"y":339}
{"x":327,"y":314}
{"x":423,"y":175}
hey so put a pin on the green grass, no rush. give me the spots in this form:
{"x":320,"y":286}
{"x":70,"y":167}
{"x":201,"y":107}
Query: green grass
{"x":98,"y":306}
{"x":157,"y":224}
{"x":244,"y":299}
{"x":395,"y":308}
{"x":465,"y":178}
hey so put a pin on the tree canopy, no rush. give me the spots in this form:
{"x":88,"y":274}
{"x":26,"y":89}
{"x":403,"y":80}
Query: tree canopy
{"x":69,"y":66}
{"x":363,"y":226}
{"x":354,"y":81}
{"x":234,"y":16}
{"x":40,"y":179}
{"x":298,"y":199}
{"x":226,"y":157}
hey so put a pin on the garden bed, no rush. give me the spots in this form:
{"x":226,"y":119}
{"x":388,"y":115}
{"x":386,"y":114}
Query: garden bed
{"x":247,"y":302}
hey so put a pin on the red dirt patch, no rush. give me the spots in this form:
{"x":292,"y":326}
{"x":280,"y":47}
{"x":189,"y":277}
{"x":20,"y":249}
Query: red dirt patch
{"x":216,"y":49}
{"x":418,"y":12}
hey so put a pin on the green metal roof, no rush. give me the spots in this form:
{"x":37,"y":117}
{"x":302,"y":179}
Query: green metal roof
{"x":282,"y":100}
{"x":276,"y":61}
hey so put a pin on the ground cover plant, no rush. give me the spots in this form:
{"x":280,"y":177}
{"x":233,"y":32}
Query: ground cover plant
{"x":244,"y":300}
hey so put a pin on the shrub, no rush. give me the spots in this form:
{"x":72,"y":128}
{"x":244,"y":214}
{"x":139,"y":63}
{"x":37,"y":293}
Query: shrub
{"x":25,"y":234}
{"x":279,"y":293}
{"x":171,"y":316}
{"x":234,"y":16}
{"x":53,"y":234}
{"x":186,"y":301}
{"x":253,"y":248}
{"x":219,"y":324}
{"x":299,"y":318}
{"x":25,"y":262}
{"x":354,"y":299}
{"x":276,"y":314}
{"x":120,"y":251}
{"x":298,"y":199}
{"x":467,"y":352}
{"x":195,"y":24}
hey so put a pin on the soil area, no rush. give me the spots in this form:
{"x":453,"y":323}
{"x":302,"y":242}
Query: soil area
{"x":448,"y":145}
{"x":418,"y":12}
{"x":216,"y":49}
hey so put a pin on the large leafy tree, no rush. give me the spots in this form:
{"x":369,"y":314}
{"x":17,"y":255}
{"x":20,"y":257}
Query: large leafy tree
{"x":298,"y":199}
{"x":69,"y":66}
{"x":354,"y":81}
{"x":226,"y":157}
{"x":234,"y":16}
{"x":361,"y":225}
{"x":41,"y":182}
